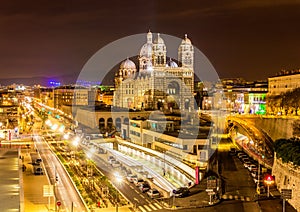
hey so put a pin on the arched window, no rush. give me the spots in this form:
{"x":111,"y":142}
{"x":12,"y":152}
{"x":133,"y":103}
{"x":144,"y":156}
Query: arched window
{"x":109,"y":123}
{"x":118,"y":124}
{"x":101,"y":123}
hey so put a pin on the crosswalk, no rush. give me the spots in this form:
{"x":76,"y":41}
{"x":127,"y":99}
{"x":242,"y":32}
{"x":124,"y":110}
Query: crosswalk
{"x":150,"y":207}
{"x":236,"y":197}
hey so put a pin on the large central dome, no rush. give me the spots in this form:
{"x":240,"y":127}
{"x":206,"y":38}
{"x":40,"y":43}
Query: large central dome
{"x":146,"y":50}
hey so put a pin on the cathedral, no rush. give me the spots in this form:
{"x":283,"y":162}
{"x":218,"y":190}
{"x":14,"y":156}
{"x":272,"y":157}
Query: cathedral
{"x":158,"y":82}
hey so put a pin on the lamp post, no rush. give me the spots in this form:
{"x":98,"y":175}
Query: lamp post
{"x":75,"y":144}
{"x":118,"y":179}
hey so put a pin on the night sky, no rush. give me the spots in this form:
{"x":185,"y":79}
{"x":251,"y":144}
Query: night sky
{"x":250,"y":39}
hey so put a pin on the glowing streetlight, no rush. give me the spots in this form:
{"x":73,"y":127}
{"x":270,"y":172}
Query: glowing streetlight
{"x":76,"y":143}
{"x":66,"y":136}
{"x":54,"y":127}
{"x":118,"y":179}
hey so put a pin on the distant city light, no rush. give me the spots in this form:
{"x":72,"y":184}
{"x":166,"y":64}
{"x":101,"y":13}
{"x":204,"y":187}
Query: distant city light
{"x":54,"y":83}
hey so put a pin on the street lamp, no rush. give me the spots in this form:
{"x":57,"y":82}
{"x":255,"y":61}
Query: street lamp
{"x":75,"y":144}
{"x":118,"y":179}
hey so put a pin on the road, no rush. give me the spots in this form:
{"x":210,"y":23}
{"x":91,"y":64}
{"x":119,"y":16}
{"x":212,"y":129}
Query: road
{"x":129,"y":190}
{"x":65,"y":191}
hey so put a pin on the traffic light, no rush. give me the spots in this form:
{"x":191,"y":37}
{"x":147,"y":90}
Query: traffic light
{"x":56,"y":178}
{"x":269,"y":179}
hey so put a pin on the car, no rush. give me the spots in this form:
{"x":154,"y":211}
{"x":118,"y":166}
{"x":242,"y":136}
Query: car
{"x":38,"y":170}
{"x":252,"y":167}
{"x":244,"y":157}
{"x":110,"y":159}
{"x":38,"y":160}
{"x":131,"y":177}
{"x":153,"y":193}
{"x":138,"y":181}
{"x":115,"y":163}
{"x":246,"y":164}
{"x":246,"y":160}
{"x":102,"y":151}
{"x":144,"y":187}
{"x":254,"y":174}
{"x":240,"y":154}
{"x":256,"y":180}
{"x":181,"y":192}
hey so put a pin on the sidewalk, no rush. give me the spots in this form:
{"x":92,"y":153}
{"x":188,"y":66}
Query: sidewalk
{"x":33,"y":186}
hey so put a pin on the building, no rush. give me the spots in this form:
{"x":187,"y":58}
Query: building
{"x":164,"y":134}
{"x":283,"y":82}
{"x":157,"y":82}
{"x":283,"y":93}
{"x":238,"y":95}
{"x":70,"y":95}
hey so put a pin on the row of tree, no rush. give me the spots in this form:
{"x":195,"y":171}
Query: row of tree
{"x":285,"y":103}
{"x":288,"y":150}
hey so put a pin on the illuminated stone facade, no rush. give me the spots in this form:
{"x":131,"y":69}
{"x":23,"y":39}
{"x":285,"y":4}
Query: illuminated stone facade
{"x":158,"y":82}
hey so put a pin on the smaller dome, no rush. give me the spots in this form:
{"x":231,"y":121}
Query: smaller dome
{"x":172,"y":64}
{"x":127,"y":64}
{"x":186,"y":40}
{"x":159,"y":40}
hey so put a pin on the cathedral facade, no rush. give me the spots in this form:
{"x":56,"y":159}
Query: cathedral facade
{"x":158,"y":82}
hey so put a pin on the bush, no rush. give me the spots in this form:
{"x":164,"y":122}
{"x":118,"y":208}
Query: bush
{"x":288,"y":150}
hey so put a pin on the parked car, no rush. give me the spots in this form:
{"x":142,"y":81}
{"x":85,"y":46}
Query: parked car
{"x":252,"y":167}
{"x":247,"y":163}
{"x":38,"y":170}
{"x":115,"y":164}
{"x":240,"y":154}
{"x":144,"y":187}
{"x":138,"y":181}
{"x":110,"y":158}
{"x":38,"y":160}
{"x":153,"y":193}
{"x":102,"y":151}
{"x":256,"y":180}
{"x":131,"y":177}
{"x":254,"y":174}
{"x":244,"y":158}
{"x":181,"y":192}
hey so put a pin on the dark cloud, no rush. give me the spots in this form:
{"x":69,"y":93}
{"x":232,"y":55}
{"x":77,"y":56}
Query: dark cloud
{"x":250,"y":39}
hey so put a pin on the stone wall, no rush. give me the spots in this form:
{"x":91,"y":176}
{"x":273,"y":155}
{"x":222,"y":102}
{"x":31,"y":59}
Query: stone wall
{"x":287,"y":176}
{"x":276,"y":128}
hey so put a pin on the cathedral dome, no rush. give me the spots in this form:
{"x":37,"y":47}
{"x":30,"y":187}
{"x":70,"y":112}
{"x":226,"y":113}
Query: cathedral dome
{"x":172,"y":64}
{"x":159,"y":40}
{"x":146,"y":50}
{"x":127,"y":64}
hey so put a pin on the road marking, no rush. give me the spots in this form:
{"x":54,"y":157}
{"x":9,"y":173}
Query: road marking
{"x":142,"y":196}
{"x":142,"y":209}
{"x":152,"y":206}
{"x":148,"y":209}
{"x":157,"y":205}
